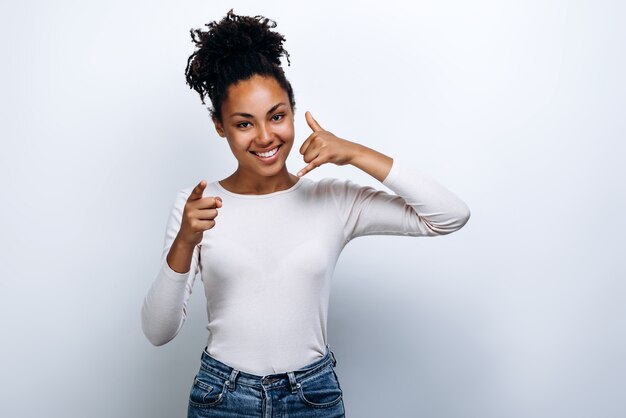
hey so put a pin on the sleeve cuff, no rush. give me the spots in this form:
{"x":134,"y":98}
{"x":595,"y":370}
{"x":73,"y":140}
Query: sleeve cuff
{"x":393,"y":173}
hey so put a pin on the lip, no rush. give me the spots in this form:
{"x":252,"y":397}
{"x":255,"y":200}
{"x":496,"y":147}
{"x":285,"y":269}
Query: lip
{"x":268,"y":160}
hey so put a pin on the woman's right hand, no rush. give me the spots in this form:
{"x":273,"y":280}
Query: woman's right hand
{"x":198,"y":215}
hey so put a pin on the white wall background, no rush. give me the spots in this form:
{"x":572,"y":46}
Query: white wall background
{"x":516,"y":106}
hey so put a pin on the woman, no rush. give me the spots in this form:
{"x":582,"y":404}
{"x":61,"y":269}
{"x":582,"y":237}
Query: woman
{"x":266,"y":261}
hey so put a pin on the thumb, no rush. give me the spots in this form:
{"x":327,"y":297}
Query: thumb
{"x":312,"y":122}
{"x":196,"y":193}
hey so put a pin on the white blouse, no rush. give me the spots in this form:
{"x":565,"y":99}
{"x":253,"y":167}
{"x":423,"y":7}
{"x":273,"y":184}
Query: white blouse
{"x":267,"y":263}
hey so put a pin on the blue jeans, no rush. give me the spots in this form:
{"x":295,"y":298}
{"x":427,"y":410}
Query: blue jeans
{"x":222,"y":391}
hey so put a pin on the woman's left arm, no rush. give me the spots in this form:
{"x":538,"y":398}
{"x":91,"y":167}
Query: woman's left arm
{"x":366,"y":211}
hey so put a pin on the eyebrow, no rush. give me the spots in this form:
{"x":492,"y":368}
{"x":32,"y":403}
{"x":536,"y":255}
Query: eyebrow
{"x":247,"y":115}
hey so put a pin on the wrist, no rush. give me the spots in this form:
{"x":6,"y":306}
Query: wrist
{"x":374,"y":163}
{"x":180,"y":244}
{"x":357,"y":153}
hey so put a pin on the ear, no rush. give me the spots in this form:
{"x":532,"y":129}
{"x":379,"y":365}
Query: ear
{"x":218,"y":127}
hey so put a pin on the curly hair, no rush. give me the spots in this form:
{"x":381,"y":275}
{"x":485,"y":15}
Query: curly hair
{"x":234,"y":49}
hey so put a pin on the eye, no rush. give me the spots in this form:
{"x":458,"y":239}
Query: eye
{"x":281,"y":116}
{"x":241,"y":123}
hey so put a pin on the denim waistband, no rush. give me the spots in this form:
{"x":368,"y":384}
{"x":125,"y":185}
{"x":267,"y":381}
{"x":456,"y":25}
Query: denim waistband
{"x":216,"y":367}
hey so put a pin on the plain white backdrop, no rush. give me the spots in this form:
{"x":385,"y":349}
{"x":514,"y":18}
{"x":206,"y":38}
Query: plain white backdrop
{"x":516,"y":106}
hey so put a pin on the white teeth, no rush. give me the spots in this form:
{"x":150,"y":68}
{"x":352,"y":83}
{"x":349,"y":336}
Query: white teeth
{"x":267,"y":154}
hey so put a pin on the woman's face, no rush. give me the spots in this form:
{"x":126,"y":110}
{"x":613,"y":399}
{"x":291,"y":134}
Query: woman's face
{"x":257,"y":118}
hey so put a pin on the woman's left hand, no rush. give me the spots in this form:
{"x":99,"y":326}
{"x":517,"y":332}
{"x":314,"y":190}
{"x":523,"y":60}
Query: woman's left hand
{"x":323,"y":146}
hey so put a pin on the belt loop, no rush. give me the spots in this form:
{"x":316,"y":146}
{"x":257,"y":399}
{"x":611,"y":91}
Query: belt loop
{"x":231,"y":379}
{"x":332,"y":355}
{"x":292,"y":381}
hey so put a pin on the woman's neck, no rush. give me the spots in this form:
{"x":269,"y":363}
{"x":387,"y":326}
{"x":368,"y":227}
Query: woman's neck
{"x":244,"y":183}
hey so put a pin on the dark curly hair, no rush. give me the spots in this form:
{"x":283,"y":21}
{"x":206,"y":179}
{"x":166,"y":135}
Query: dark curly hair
{"x":234,"y":49}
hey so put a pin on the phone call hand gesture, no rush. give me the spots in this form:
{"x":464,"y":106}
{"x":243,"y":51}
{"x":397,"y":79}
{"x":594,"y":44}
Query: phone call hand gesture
{"x":323,"y":147}
{"x":198,"y":215}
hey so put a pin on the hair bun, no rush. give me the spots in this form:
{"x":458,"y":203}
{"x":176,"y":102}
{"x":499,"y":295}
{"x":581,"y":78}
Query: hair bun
{"x":237,"y":35}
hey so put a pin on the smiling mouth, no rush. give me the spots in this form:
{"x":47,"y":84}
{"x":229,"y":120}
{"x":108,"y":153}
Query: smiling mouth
{"x":267,"y":154}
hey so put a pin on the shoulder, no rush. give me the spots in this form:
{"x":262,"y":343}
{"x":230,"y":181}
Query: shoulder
{"x":327,"y":184}
{"x":335,"y":188}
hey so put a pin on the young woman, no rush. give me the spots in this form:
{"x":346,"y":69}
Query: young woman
{"x":267,"y":260}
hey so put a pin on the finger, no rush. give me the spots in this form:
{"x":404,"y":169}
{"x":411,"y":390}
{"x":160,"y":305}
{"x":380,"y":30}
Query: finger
{"x":312,"y":122}
{"x":205,"y":225}
{"x":207,"y":214}
{"x":311,"y":153}
{"x":306,"y":144}
{"x":310,"y":166}
{"x":208,"y":202}
{"x":197,"y":191}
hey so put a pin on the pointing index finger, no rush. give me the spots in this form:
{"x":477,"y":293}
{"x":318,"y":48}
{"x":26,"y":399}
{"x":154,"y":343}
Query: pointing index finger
{"x":196,"y":193}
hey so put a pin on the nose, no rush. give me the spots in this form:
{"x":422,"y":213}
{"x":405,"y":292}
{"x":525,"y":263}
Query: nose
{"x":264,"y":135}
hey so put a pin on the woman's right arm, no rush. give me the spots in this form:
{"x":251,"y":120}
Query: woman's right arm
{"x":165,"y":306}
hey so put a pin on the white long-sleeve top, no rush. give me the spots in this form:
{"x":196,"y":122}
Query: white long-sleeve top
{"x":267,"y":263}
